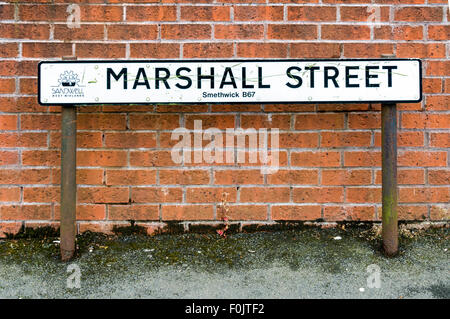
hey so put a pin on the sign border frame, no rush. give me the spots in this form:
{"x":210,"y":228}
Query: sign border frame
{"x":229,"y":60}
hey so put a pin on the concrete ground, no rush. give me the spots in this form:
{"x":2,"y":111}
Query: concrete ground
{"x":299,"y":263}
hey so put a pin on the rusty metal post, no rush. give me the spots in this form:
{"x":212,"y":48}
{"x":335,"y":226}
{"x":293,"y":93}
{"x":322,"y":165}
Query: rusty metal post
{"x":389,"y":178}
{"x":68,"y":179}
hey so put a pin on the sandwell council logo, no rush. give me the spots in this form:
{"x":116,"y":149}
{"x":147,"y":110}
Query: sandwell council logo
{"x":68,"y":85}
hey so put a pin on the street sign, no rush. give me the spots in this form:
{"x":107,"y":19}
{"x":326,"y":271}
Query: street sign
{"x":229,"y":81}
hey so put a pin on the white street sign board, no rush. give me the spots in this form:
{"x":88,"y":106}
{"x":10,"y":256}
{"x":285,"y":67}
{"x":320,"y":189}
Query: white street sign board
{"x":229,"y":81}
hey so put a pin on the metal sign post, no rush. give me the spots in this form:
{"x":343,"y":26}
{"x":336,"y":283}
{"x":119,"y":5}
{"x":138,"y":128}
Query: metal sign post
{"x":68,"y":178}
{"x":389,"y":178}
{"x":68,"y":181}
{"x":385,"y":81}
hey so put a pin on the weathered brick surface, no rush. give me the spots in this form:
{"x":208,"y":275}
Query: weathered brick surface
{"x":330,"y":154}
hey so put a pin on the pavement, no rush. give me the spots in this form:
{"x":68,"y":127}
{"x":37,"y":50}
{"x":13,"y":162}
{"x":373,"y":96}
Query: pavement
{"x":343,"y":262}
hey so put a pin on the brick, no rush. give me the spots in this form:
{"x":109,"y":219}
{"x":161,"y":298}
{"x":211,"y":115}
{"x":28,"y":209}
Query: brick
{"x":42,"y":12}
{"x":318,"y":195}
{"x":440,"y":212}
{"x":238,"y":177}
{"x":316,"y":159}
{"x":367,"y":50}
{"x":432,"y":85}
{"x":439,"y":32}
{"x":208,"y":50}
{"x":7,"y":86}
{"x":151,"y":13}
{"x":9,"y":194}
{"x":8,"y":122}
{"x":282,"y":122}
{"x":130,"y":177}
{"x":311,"y":13}
{"x":364,"y":13}
{"x":422,"y":159}
{"x":447,"y":86}
{"x":439,"y":177}
{"x":25,"y":31}
{"x":41,"y":158}
{"x":9,"y":157}
{"x":84,"y":139}
{"x":156,"y":195}
{"x":191,"y":212}
{"x":292,"y":212}
{"x":245,"y":212}
{"x":345,"y":32}
{"x":292,"y":31}
{"x":26,"y":212}
{"x":102,"y":158}
{"x":129,"y":140}
{"x":294,"y":177}
{"x":186,"y":31}
{"x":9,"y":68}
{"x":134,"y":212}
{"x":349,"y":213}
{"x":424,"y":195}
{"x":402,"y":32}
{"x":100,"y":50}
{"x":411,"y":212}
{"x":132,"y":31}
{"x":87,"y":121}
{"x":101,"y":13}
{"x":154,"y":122}
{"x":440,"y":139}
{"x":258,"y":13}
{"x":28,"y":86}
{"x":422,"y":120}
{"x":85,"y":31}
{"x":363,"y":195}
{"x":416,"y":14}
{"x":155,"y":50}
{"x":319,"y":121}
{"x":221,"y":122}
{"x":345,"y":139}
{"x":346,"y":177}
{"x":24,"y":176}
{"x":183,"y":177}
{"x":364,"y":159}
{"x":298,"y":140}
{"x":41,"y":194}
{"x":211,"y":195}
{"x":103,"y":195}
{"x":13,"y":139}
{"x":439,"y":68}
{"x":239,"y":31}
{"x":364,"y":120}
{"x":262,"y":50}
{"x":421,"y":50}
{"x":7,"y":12}
{"x":265,"y":195}
{"x":9,"y":50}
{"x":46,"y":50}
{"x":40,"y":122}
{"x":205,"y":13}
{"x":315,"y":50}
{"x":438,"y":103}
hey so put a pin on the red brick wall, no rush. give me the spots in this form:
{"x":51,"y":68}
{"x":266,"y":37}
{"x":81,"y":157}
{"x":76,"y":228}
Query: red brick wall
{"x":330,"y":154}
